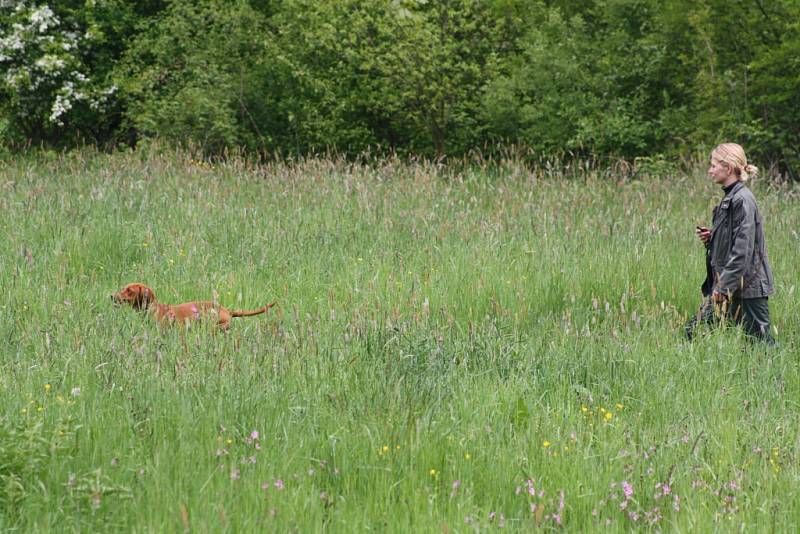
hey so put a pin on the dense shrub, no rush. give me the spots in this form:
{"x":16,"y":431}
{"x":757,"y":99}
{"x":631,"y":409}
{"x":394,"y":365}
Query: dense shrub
{"x":597,"y":78}
{"x":46,"y":87}
{"x":190,"y":75}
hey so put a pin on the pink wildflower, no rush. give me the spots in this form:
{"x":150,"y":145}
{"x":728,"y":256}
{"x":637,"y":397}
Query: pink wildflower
{"x":627,"y":489}
{"x":279,"y":484}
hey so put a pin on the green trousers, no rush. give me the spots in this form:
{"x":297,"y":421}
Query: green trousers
{"x":752,"y":314}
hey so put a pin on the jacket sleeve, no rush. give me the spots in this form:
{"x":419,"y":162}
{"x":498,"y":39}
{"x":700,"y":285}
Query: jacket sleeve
{"x":743,"y":238}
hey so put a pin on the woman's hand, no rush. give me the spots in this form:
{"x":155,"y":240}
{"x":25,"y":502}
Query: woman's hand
{"x":703,"y":234}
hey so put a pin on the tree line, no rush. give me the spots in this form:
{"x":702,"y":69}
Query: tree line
{"x":562,"y":78}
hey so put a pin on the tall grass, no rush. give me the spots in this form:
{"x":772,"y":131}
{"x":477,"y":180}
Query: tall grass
{"x":455,"y":348}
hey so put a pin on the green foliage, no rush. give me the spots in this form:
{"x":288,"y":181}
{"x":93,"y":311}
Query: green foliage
{"x":189,"y":76}
{"x":775,"y":91}
{"x":544,"y":94}
{"x":604,"y":79}
{"x":47,"y":91}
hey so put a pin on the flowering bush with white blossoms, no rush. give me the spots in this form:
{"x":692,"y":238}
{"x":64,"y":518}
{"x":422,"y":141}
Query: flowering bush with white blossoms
{"x":44,"y":77}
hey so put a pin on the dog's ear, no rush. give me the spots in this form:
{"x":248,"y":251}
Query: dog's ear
{"x":143,"y":296}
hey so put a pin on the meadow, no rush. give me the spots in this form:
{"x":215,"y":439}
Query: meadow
{"x":455,"y":348}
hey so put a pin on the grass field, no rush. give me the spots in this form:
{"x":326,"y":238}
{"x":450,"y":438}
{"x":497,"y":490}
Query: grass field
{"x":454,"y":349}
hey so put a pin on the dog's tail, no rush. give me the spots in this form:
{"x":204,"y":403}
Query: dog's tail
{"x":248,"y":313}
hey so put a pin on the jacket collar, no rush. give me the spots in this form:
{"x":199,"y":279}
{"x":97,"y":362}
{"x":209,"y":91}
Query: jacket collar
{"x":736,"y":187}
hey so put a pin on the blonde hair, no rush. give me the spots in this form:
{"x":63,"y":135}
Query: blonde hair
{"x":733,"y":155}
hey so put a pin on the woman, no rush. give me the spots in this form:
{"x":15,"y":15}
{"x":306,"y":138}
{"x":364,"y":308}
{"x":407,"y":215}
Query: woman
{"x":739,"y":280}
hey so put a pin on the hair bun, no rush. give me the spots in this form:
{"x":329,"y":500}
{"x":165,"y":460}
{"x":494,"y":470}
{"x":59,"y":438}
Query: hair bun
{"x":751,"y":170}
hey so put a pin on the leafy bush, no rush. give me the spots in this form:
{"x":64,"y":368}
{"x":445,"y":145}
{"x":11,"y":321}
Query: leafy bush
{"x":189,"y":76}
{"x":47,"y":91}
{"x":601,"y":78}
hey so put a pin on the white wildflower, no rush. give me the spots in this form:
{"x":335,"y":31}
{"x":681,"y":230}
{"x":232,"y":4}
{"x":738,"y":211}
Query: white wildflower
{"x":12,"y":43}
{"x":60,"y":107}
{"x":50,"y":63}
{"x":44,"y":18}
{"x":12,"y":80}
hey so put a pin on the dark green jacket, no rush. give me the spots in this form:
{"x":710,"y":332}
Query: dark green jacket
{"x":737,"y":251}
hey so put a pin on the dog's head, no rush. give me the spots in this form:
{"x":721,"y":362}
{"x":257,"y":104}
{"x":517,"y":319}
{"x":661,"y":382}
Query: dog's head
{"x":137,"y":295}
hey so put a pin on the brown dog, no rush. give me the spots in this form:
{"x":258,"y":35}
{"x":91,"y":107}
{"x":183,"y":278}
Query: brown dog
{"x":142,"y":297}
